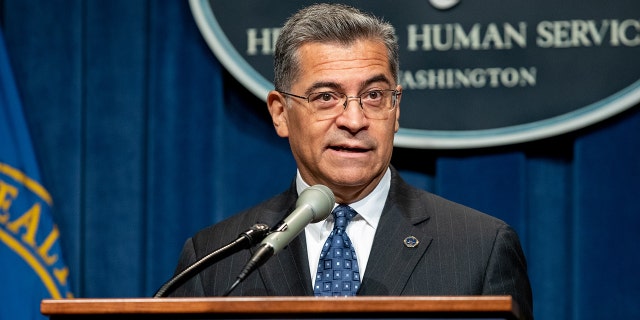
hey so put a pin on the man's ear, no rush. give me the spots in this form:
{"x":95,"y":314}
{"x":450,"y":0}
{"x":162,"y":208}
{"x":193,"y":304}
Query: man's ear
{"x":277,"y":105}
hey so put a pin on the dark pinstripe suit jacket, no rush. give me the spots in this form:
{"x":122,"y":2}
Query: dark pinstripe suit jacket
{"x":461,"y":252}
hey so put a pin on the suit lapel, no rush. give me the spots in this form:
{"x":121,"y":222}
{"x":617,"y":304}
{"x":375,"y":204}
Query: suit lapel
{"x":287,"y":273}
{"x":391,"y":261}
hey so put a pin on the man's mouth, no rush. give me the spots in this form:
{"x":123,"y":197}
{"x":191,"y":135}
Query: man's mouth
{"x":347,"y":149}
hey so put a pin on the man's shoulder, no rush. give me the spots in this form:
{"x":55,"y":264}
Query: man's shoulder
{"x":432,"y":206}
{"x":268,"y":212}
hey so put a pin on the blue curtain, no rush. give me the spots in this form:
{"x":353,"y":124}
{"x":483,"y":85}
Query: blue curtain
{"x":143,"y":138}
{"x":31,"y":257}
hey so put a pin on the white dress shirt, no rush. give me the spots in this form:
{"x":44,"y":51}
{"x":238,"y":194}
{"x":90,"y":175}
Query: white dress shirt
{"x":361,"y":229}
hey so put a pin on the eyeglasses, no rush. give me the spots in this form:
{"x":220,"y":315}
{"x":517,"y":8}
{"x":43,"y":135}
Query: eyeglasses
{"x":375,"y":104}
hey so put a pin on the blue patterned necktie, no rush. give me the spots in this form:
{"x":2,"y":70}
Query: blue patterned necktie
{"x":338,"y":273}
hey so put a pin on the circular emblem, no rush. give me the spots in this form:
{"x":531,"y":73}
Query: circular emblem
{"x":411,"y":242}
{"x":443,"y":4}
{"x":474,"y":73}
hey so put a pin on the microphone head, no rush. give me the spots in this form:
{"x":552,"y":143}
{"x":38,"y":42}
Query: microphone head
{"x":321,"y":200}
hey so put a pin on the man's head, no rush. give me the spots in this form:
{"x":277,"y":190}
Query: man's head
{"x":337,"y":97}
{"x":325,"y":23}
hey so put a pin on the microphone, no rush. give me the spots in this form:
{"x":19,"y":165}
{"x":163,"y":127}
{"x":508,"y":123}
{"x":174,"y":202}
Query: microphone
{"x":245,"y":240}
{"x":314,"y":205}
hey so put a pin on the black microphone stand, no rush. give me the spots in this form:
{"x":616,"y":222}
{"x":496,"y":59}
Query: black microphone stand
{"x":246,"y":240}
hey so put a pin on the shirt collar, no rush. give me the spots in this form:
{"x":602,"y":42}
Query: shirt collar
{"x":370,"y":207}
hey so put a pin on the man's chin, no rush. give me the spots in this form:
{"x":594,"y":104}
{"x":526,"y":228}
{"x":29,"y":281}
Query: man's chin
{"x":344,"y":178}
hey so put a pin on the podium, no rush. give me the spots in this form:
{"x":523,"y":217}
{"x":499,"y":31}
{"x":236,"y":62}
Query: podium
{"x":419,"y":307}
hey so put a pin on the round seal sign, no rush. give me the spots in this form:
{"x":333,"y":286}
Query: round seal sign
{"x":474,"y":73}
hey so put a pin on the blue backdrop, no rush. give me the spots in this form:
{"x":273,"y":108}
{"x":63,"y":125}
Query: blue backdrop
{"x":143,"y":138}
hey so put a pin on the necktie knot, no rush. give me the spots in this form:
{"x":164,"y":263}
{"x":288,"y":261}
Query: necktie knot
{"x":342,"y":215}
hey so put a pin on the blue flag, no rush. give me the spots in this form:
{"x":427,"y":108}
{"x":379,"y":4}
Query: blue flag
{"x":31,"y":264}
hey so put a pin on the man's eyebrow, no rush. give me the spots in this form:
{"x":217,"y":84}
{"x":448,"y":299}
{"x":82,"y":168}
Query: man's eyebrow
{"x":322,"y":84}
{"x":378,"y":78}
{"x":334,"y":86}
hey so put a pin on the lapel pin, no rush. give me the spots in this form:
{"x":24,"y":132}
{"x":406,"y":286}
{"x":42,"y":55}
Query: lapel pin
{"x":411,"y":242}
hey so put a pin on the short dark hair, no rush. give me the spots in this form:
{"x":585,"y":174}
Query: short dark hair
{"x":327,"y":23}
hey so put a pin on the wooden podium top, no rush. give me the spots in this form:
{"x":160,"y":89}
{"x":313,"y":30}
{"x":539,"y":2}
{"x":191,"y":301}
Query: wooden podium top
{"x":469,"y":307}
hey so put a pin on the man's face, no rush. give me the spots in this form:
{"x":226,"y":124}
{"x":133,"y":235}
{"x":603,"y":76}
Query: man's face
{"x":349,"y":153}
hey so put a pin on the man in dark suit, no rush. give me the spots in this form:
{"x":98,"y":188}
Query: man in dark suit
{"x":337,"y":100}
